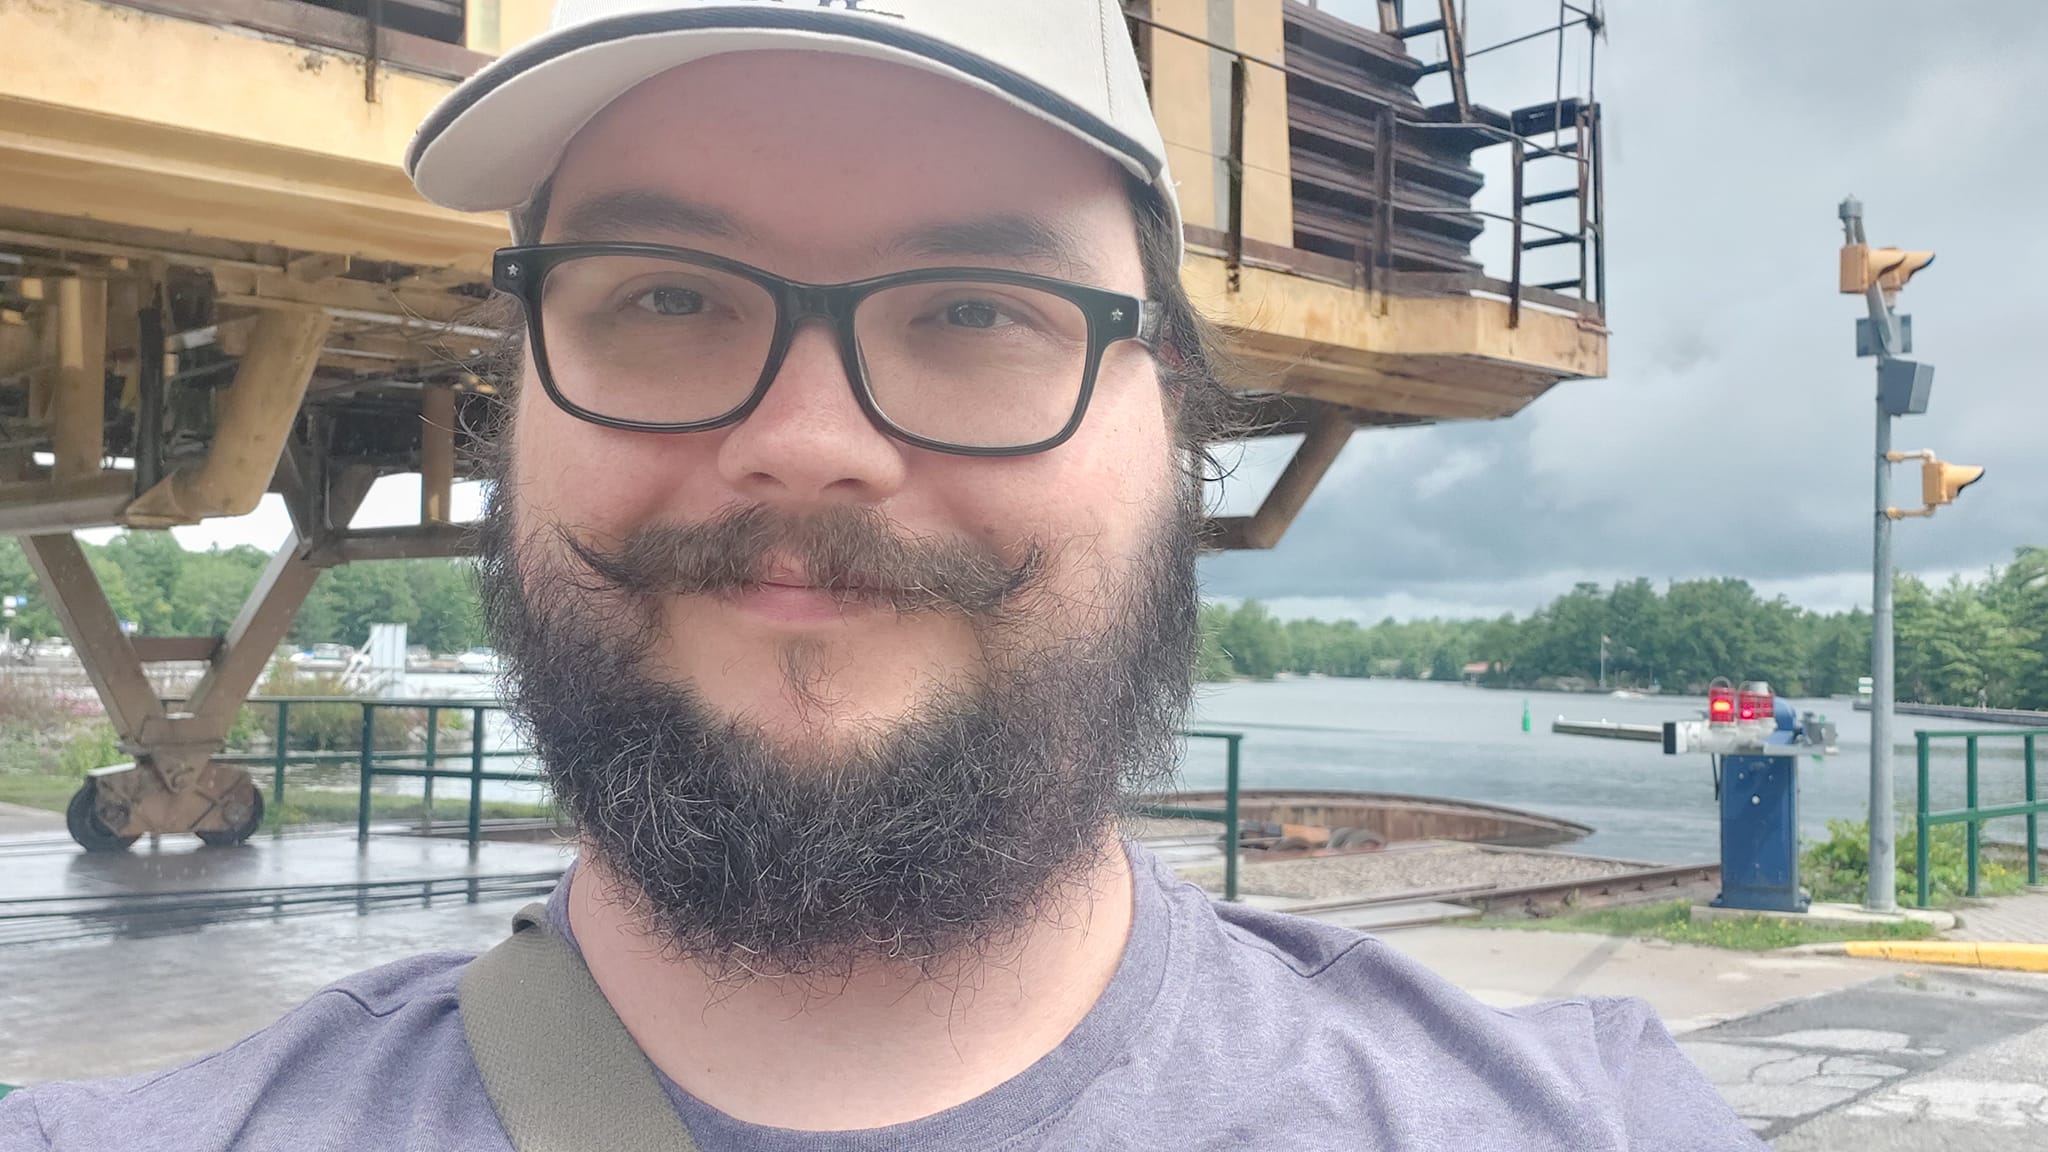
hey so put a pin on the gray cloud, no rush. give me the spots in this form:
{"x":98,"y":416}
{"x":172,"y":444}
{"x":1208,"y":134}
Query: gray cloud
{"x":1733,"y":435}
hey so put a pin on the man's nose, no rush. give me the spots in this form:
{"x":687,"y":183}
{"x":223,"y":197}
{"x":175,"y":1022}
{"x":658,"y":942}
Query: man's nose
{"x":809,"y":443}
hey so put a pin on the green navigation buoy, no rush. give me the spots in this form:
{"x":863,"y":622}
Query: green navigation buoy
{"x":1525,"y":715}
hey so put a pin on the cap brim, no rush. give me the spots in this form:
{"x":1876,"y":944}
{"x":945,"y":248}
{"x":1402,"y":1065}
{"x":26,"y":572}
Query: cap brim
{"x":492,"y":141}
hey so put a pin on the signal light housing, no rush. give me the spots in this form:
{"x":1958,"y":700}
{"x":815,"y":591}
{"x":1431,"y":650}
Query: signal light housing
{"x":1888,"y":268}
{"x":1720,"y":702}
{"x":1940,"y":481}
{"x":1754,"y":705}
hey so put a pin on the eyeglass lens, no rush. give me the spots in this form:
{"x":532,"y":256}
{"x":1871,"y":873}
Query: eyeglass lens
{"x":963,"y":362}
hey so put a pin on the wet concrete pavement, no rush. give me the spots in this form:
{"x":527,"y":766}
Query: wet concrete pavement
{"x":112,"y":1007}
{"x":127,"y":962}
{"x":47,"y":869}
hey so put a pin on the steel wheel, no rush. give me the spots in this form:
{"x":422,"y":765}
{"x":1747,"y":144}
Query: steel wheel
{"x":82,"y":819}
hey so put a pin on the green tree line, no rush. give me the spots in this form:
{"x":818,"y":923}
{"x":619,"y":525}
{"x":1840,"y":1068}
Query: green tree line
{"x":1964,"y":642}
{"x":1959,"y":643}
{"x":168,"y":591}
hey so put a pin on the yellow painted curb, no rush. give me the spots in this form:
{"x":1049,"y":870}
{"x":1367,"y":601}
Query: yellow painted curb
{"x":1963,"y":953}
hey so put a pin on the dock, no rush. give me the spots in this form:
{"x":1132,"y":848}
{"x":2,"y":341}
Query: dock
{"x":2020,"y":716}
{"x":1609,"y":730}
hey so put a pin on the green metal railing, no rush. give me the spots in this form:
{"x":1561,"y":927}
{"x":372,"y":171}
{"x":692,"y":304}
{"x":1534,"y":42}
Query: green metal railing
{"x":1970,"y":815}
{"x":423,"y":765}
{"x":1226,"y":815}
{"x":391,"y":763}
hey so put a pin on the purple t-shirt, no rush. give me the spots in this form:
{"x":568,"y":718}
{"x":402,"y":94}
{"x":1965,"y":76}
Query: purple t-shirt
{"x":1223,"y":1027}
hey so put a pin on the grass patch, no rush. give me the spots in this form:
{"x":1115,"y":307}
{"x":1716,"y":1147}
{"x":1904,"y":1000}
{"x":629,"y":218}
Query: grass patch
{"x":1672,"y":920}
{"x":37,"y":790}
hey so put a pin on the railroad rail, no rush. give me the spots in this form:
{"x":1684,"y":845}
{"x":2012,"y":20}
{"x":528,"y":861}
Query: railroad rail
{"x":1638,"y":886}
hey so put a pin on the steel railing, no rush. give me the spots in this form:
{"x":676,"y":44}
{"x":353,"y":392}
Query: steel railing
{"x":1971,"y":815}
{"x":373,"y":763}
{"x":421,"y":764}
{"x":1226,"y":815}
{"x":1392,"y":120}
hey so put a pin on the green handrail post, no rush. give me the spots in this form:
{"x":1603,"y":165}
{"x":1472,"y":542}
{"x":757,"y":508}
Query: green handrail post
{"x":1230,"y":818}
{"x":284,"y":711}
{"x":476,"y":777}
{"x":433,"y":722}
{"x":1920,"y":824}
{"x":2033,"y":820}
{"x":363,"y":798}
{"x":1970,"y":800}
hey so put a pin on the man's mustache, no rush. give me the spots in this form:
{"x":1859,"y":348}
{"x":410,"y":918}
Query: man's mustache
{"x":849,"y":552}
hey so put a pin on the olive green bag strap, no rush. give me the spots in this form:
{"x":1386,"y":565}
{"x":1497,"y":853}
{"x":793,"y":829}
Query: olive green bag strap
{"x":562,"y":1072}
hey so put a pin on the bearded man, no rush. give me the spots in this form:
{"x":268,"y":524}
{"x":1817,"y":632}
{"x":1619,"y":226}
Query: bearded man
{"x":842,"y":547}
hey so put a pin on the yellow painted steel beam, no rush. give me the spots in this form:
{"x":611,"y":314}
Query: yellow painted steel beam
{"x":78,"y":406}
{"x":255,"y":147}
{"x":437,"y":454}
{"x":1476,"y":327}
{"x":1327,"y":434}
{"x":244,"y":288}
{"x":256,"y":416}
{"x":185,"y":126}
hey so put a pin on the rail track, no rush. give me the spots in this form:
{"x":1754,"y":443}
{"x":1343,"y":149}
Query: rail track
{"x":1662,"y":882}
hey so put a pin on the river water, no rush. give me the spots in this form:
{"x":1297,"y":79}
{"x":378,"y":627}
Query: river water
{"x":1467,"y":743}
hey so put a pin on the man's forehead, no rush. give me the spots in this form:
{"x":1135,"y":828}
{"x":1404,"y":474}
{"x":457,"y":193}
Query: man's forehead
{"x":837,"y":157}
{"x":654,"y":215}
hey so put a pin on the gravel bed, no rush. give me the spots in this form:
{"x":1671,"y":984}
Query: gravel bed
{"x":1401,"y":870}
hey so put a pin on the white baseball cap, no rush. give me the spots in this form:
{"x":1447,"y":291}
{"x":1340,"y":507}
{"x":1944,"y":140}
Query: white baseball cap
{"x":492,"y":142}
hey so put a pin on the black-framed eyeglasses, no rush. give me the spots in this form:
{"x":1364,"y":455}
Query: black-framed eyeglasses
{"x":971,"y":361}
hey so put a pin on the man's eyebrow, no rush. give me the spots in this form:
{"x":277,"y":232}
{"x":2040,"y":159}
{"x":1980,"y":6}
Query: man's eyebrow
{"x":637,"y":211}
{"x":1016,"y":238}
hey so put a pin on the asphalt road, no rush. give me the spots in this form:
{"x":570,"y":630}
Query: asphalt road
{"x":1921,"y":1059}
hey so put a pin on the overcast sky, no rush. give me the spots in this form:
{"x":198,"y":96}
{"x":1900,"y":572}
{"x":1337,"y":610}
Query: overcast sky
{"x":1733,"y":435}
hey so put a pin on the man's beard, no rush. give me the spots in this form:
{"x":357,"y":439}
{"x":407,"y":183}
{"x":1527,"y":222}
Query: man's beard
{"x":926,"y":844}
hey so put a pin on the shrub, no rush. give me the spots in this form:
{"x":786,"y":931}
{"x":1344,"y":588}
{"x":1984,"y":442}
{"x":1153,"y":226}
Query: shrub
{"x":332,"y":727}
{"x":1838,"y":868}
{"x":94,"y":746}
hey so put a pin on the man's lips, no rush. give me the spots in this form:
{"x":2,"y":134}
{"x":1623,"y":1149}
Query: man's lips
{"x":784,"y":576}
{"x":777,"y":602}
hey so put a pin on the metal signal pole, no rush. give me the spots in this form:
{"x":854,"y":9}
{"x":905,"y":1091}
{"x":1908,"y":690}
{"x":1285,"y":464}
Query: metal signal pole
{"x":1881,"y":895}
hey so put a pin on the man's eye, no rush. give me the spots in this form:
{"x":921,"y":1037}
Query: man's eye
{"x":671,"y":302}
{"x":974,"y":314}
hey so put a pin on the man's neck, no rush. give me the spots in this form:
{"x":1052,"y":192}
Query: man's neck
{"x":886,"y":1047}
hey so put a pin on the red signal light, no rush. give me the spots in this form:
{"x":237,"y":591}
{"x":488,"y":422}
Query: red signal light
{"x":1754,"y":705}
{"x":1720,"y":702}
